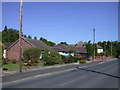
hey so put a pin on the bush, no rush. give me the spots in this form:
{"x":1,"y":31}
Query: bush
{"x":51,"y":58}
{"x":4,"y":61}
{"x":82,"y":61}
{"x":64,"y":59}
{"x":14,"y":61}
{"x":32,"y":54}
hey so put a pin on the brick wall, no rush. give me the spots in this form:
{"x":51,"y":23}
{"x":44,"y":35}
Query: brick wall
{"x":13,"y":52}
{"x":100,"y":58}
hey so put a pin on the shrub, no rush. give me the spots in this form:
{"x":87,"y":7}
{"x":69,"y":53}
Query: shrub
{"x":64,"y":59}
{"x":51,"y":58}
{"x":14,"y":61}
{"x":82,"y":61}
{"x":32,"y":54}
{"x":4,"y":61}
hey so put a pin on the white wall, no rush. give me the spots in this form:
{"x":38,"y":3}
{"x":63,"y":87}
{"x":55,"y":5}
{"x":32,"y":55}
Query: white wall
{"x":99,"y":50}
{"x":4,"y":54}
{"x":66,"y":54}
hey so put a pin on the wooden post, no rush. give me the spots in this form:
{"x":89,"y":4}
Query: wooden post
{"x":20,"y":38}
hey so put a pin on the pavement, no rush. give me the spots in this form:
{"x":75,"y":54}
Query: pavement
{"x":92,"y":75}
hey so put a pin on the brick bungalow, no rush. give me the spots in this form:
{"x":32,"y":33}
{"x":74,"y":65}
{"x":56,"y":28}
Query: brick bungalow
{"x":12,"y":52}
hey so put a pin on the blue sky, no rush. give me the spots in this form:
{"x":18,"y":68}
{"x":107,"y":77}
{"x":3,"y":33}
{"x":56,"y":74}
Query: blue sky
{"x":64,"y":21}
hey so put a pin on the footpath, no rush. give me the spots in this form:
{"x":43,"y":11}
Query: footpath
{"x":47,"y":71}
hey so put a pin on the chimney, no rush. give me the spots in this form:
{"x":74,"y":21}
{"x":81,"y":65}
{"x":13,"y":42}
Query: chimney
{"x":35,"y":38}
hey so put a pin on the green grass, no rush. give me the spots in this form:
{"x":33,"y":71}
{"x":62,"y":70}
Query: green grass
{"x":16,"y":66}
{"x":40,"y":64}
{"x":11,"y":66}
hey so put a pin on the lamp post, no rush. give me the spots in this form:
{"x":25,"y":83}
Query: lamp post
{"x":20,"y":38}
{"x":94,"y":42}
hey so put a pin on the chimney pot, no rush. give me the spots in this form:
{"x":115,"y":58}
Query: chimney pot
{"x":35,"y":38}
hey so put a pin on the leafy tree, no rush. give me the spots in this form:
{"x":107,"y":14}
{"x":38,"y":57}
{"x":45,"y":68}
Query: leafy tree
{"x":9,"y":35}
{"x":32,"y":54}
{"x":107,"y":47}
{"x":5,"y":28}
{"x":63,"y":43}
{"x":29,"y":36}
{"x":24,"y":36}
{"x":89,"y":48}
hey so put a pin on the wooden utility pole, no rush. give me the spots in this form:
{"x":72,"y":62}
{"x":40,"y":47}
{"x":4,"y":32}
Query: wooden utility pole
{"x":94,"y":42}
{"x":111,"y":47}
{"x":20,"y":38}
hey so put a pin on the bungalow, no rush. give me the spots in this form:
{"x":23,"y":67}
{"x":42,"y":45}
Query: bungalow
{"x":12,"y":52}
{"x":64,"y":49}
{"x":99,"y":49}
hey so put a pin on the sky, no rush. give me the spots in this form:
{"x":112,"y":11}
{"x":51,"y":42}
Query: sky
{"x":70,"y":22}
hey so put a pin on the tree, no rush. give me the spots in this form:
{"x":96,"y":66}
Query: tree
{"x":9,"y":35}
{"x":24,"y":36}
{"x":5,"y":28}
{"x":89,"y":48}
{"x":29,"y":36}
{"x":49,"y":43}
{"x":63,"y":43}
{"x":32,"y":54}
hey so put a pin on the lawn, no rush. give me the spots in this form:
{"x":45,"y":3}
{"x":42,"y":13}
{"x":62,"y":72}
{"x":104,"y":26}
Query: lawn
{"x":16,"y":66}
{"x":11,"y":66}
{"x":40,"y":64}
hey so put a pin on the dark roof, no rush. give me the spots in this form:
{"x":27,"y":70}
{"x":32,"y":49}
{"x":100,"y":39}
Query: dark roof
{"x":7,"y":45}
{"x":62,"y":47}
{"x":80,"y":49}
{"x":38,"y":44}
{"x":35,"y":43}
{"x":99,"y":47}
{"x":79,"y":44}
{"x":67,"y":48}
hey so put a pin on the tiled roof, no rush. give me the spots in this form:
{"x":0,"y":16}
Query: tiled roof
{"x":99,"y":47}
{"x":7,"y":45}
{"x":80,"y":49}
{"x":38,"y":44}
{"x":67,"y":48}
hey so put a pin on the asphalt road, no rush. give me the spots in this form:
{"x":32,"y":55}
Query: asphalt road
{"x":100,"y":75}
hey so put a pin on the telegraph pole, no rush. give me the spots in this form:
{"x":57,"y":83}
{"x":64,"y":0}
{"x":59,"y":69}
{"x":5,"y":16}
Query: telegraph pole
{"x":111,"y":47}
{"x":94,"y":42}
{"x":20,"y":38}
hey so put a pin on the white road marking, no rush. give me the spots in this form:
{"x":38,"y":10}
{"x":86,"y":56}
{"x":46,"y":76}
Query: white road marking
{"x":63,"y":84}
{"x":101,"y":62}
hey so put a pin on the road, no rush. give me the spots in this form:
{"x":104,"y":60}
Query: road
{"x":100,"y":75}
